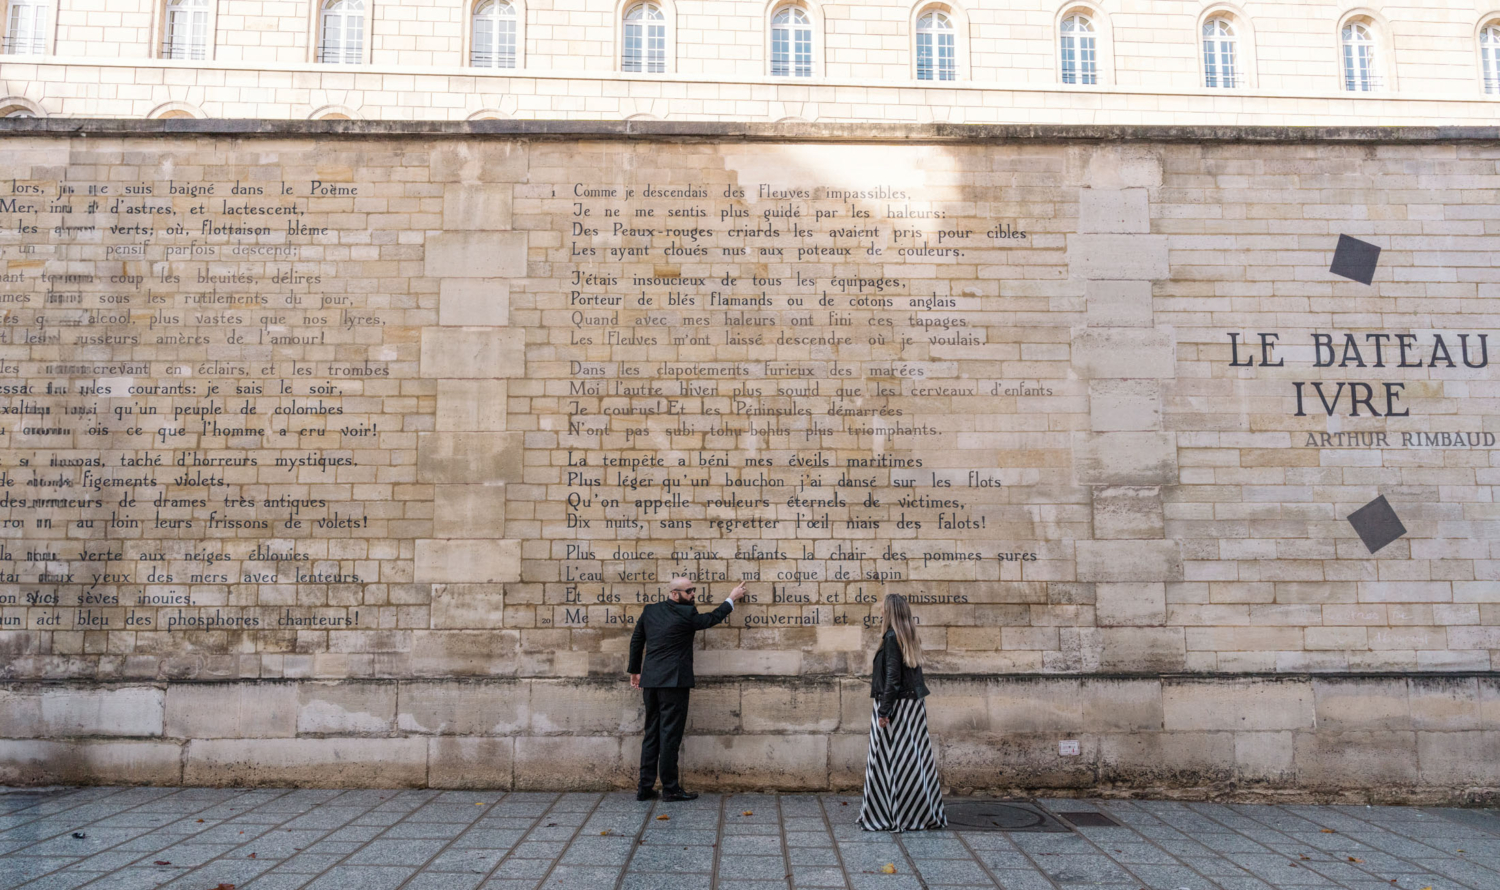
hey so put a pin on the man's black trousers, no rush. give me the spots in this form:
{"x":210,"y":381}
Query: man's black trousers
{"x":666,"y":718}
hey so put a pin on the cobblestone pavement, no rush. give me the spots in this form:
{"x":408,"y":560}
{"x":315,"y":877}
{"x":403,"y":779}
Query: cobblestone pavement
{"x":213,"y":839}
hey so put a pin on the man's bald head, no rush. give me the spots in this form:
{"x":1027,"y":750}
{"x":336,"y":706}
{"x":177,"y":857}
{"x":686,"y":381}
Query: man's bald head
{"x":681,"y":590}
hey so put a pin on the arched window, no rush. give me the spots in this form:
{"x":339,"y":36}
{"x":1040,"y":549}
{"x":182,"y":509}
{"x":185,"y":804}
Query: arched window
{"x":343,"y":32}
{"x":937,"y":48}
{"x":26,"y":27}
{"x":1220,"y":57}
{"x":645,"y":47}
{"x":1361,"y":75}
{"x":495,"y":33}
{"x":1489,"y":57}
{"x":1078,"y":50}
{"x":791,"y":43}
{"x":185,"y":30}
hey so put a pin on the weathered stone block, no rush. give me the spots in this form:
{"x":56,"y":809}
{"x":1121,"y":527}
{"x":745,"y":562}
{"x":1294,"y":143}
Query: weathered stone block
{"x":1123,"y":353}
{"x":471,"y":405}
{"x":1142,"y":649}
{"x":1122,"y":705}
{"x":1126,"y":511}
{"x":108,"y":711}
{"x":790,"y":707}
{"x":320,"y":763}
{"x":1129,"y":561}
{"x":347,"y":707}
{"x":793,"y":762}
{"x":1124,"y":405}
{"x":89,"y":762}
{"x":468,"y":561}
{"x":1168,"y":758}
{"x":20,"y":713}
{"x":1238,"y":706}
{"x":477,"y":302}
{"x":1045,"y":706}
{"x":1125,"y":458}
{"x":466,"y":708}
{"x":1454,"y":759}
{"x":481,"y":206}
{"x":468,"y":511}
{"x":579,"y":763}
{"x":1355,"y":759}
{"x":1118,"y":304}
{"x":468,"y":606}
{"x":585,"y":707}
{"x":469,"y":458}
{"x":476,"y":255}
{"x":1444,"y":704}
{"x":454,"y":762}
{"x":1266,"y":757}
{"x":479,"y":160}
{"x":473,"y":352}
{"x":1138,"y":604}
{"x":1361,"y":705}
{"x":1118,"y":257}
{"x":231,"y":710}
{"x":1123,"y":211}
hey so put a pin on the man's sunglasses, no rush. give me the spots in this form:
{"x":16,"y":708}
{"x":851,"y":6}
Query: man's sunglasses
{"x":686,"y":589}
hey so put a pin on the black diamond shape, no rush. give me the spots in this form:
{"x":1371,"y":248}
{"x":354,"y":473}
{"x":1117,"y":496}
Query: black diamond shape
{"x":1376,"y":524}
{"x":1355,"y":259}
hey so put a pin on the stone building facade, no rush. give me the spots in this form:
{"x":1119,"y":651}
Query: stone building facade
{"x":1274,"y":62}
{"x":346,"y":453}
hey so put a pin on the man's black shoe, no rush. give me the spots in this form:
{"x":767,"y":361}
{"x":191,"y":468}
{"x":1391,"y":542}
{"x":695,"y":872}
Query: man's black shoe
{"x":648,"y":794}
{"x":675,"y":796}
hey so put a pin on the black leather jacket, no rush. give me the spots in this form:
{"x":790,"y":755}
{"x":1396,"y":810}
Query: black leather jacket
{"x":892,"y":679}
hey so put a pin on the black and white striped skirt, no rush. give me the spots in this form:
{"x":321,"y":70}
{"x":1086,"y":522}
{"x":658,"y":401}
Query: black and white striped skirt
{"x":902,"y":791}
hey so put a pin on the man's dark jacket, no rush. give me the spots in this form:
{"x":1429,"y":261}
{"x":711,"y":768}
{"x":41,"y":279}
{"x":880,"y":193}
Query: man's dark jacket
{"x":668,"y":627}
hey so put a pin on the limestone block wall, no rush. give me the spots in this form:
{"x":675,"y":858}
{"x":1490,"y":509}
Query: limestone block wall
{"x":346,"y":453}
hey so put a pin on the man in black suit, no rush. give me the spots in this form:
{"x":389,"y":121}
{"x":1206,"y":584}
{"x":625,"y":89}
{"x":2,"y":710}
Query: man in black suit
{"x":664,"y":635}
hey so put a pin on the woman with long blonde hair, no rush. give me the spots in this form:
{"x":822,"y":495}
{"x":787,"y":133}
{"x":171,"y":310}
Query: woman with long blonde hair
{"x":902,"y":790}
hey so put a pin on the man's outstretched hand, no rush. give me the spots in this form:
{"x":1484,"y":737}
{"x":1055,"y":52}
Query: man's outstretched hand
{"x":738,"y":592}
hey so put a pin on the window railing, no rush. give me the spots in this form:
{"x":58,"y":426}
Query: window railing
{"x":1492,"y":86}
{"x":24,"y":46}
{"x":339,"y":54}
{"x":487,"y":59}
{"x":1226,"y":82}
{"x":1363,"y":84}
{"x":184,"y":49}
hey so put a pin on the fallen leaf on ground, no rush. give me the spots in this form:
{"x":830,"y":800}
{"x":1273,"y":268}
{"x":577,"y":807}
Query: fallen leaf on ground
{"x":604,"y":833}
{"x":888,"y":869}
{"x":478,"y":803}
{"x":1303,"y":856}
{"x":224,"y":887}
{"x":161,"y":862}
{"x":200,"y":820}
{"x":1355,"y":859}
{"x":752,"y":813}
{"x":663,"y":818}
{"x":252,"y":856}
{"x":1328,"y":831}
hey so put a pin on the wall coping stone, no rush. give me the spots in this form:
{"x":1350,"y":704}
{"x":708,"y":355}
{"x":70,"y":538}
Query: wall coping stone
{"x":742,"y":131}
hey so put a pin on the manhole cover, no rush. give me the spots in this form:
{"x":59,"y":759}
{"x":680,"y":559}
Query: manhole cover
{"x":999,"y":815}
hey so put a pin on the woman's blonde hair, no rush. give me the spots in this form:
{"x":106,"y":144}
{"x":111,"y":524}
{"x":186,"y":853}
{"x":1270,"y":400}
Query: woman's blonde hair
{"x":898,"y":617}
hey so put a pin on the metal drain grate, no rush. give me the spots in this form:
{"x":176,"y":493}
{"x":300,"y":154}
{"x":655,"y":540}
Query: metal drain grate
{"x":1000,"y":815}
{"x":1090,"y":819}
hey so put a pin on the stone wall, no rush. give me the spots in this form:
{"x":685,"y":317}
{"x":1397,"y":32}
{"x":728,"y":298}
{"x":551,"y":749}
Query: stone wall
{"x":349,"y":454}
